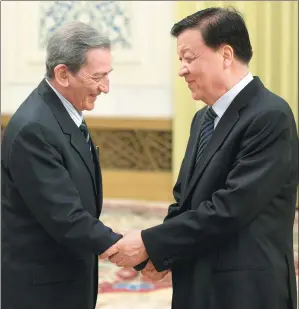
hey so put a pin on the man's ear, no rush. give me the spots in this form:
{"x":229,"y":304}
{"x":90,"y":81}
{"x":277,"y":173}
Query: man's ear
{"x":61,"y":74}
{"x":227,"y":54}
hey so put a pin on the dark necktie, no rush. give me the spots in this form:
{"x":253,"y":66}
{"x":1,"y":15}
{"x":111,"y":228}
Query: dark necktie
{"x":206,"y":131}
{"x":84,"y":130}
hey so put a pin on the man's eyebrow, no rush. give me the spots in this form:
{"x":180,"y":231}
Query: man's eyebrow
{"x":185,"y":48}
{"x":101,"y":73}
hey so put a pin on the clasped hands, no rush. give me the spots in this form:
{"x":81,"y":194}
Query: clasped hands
{"x":129,"y":251}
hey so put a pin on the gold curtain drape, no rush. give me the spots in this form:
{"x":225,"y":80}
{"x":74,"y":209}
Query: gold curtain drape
{"x":273,"y":30}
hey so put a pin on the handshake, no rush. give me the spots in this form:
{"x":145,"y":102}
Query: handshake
{"x":129,"y":252}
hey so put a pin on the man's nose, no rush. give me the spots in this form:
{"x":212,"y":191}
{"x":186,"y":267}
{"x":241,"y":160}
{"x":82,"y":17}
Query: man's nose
{"x":105,"y":85}
{"x":182,"y":71}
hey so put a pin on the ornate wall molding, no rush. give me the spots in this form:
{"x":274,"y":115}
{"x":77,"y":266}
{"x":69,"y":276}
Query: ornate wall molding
{"x":111,"y":18}
{"x":133,"y":143}
{"x":141,"y":150}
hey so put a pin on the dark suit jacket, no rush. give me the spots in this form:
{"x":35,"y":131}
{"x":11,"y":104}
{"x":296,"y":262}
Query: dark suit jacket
{"x":229,"y":237}
{"x":51,"y":201}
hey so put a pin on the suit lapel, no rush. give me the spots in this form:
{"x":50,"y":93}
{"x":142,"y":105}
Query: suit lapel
{"x":225,"y":125}
{"x":68,"y":127}
{"x":78,"y":143}
{"x":222,"y":130}
{"x":98,"y":176}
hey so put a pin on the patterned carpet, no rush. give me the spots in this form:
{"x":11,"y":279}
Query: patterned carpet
{"x":120,"y":288}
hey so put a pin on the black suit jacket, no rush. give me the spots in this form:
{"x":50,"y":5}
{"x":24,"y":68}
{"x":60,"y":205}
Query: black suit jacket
{"x":229,"y":237}
{"x":51,"y":201}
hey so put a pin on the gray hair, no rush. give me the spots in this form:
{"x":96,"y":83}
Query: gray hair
{"x":69,"y":46}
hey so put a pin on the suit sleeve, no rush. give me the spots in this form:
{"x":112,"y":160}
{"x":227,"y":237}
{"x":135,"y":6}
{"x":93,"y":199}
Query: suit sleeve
{"x":173,"y":209}
{"x":44,"y":184}
{"x":260,"y":170}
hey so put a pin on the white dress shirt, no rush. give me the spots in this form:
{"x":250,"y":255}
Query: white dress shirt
{"x":74,"y":114}
{"x":221,"y":105}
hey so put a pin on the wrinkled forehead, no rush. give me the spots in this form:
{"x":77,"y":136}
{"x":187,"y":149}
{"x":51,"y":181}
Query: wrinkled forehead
{"x":189,"y":40}
{"x":98,"y":60}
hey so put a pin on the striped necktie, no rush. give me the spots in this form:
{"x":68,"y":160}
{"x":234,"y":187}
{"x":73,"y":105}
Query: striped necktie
{"x":84,"y":130}
{"x":206,"y":131}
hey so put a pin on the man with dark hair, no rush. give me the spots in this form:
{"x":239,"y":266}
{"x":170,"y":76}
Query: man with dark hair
{"x":228,"y":238}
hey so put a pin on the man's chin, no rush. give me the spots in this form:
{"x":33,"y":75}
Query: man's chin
{"x":195,"y":96}
{"x":89,"y":106}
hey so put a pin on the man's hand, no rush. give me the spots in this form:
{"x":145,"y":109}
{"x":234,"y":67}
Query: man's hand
{"x":110,"y":251}
{"x":130,"y":250}
{"x":150,"y":272}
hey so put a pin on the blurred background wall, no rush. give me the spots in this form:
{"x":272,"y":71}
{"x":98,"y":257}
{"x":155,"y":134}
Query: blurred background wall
{"x":142,"y":125}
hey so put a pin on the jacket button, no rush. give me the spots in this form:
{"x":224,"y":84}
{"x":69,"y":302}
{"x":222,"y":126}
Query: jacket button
{"x":165,"y":263}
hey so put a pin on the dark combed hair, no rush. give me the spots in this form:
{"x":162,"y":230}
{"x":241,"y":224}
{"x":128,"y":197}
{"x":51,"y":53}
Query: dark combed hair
{"x":219,"y":26}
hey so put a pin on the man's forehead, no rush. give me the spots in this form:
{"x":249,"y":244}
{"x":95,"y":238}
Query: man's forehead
{"x":190,"y":40}
{"x":99,"y":56}
{"x":99,"y":60}
{"x":184,"y":47}
{"x":96,"y":69}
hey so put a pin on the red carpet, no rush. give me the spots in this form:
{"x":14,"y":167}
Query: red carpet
{"x":127,"y":280}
